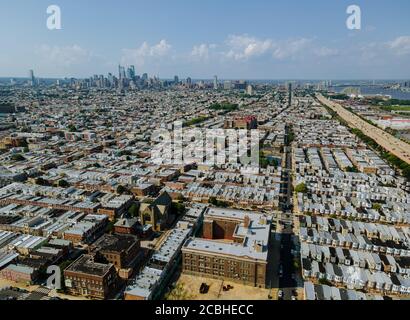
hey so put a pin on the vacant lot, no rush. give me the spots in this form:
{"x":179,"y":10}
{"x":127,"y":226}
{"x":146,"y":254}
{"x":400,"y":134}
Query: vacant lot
{"x":188,"y":288}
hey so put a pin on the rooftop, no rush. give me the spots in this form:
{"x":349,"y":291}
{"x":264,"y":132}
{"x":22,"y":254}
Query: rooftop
{"x":86,"y":265}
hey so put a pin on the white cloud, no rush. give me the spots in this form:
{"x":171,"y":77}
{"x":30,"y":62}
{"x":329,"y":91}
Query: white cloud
{"x":400,"y":45}
{"x":243,"y":47}
{"x":202,"y":51}
{"x":290,"y":48}
{"x":66,"y":56}
{"x":380,"y":52}
{"x":326,"y":52}
{"x":139,"y":55}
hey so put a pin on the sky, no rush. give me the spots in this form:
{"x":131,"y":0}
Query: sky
{"x":233,"y":39}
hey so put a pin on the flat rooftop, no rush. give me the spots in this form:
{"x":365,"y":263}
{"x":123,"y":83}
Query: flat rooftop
{"x":255,"y":235}
{"x":225,"y":248}
{"x":115,"y":242}
{"x":86,"y":265}
{"x":232,"y":214}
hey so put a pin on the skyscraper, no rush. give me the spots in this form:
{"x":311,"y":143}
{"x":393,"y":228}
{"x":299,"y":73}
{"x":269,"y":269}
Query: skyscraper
{"x":216,"y":82}
{"x":121,"y":72}
{"x":131,"y":73}
{"x":110,"y":79}
{"x":32,"y":78}
{"x":290,"y":93}
{"x":176,"y":79}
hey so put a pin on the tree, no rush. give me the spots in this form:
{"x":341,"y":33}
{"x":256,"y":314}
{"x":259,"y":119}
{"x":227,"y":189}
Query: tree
{"x":72,"y":128}
{"x":133,"y":210}
{"x":40,"y":181}
{"x":121,"y":189}
{"x":177,"y":208}
{"x":63,"y":184}
{"x":217,"y":203}
{"x":179,"y":293}
{"x":17,"y":157}
{"x":110,"y":227}
{"x":301,"y":188}
{"x":213,"y":201}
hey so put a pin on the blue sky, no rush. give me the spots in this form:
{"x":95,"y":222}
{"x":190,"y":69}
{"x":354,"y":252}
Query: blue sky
{"x":258,"y":39}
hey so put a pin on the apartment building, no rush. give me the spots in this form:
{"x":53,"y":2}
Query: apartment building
{"x":85,"y":277}
{"x":234,"y":246}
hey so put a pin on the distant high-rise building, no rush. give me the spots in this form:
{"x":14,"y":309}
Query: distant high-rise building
{"x":110,"y":79}
{"x":145,"y":77}
{"x":176,"y":79}
{"x":189,"y":81}
{"x":131,"y":73}
{"x":228,"y":85}
{"x":249,"y":90}
{"x":121,"y":72}
{"x":32,"y":78}
{"x":216,"y":83}
{"x":290,"y":93}
{"x":101,"y":81}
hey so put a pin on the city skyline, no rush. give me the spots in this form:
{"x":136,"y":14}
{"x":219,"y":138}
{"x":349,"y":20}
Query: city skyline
{"x":258,"y":40}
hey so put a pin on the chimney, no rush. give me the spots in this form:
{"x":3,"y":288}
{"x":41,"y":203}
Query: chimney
{"x":263,"y":220}
{"x":247,"y":221}
{"x":258,"y":246}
